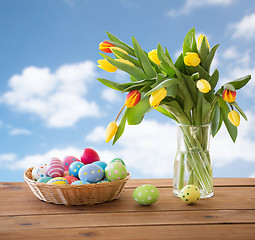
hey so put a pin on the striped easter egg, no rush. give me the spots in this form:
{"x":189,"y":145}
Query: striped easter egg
{"x":58,"y":181}
{"x":55,"y":168}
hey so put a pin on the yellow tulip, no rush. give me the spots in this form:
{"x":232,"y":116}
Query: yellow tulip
{"x":192,"y":59}
{"x":105,"y":65}
{"x":229,"y":96}
{"x":199,"y":41}
{"x":203,"y":86}
{"x":110,"y":131}
{"x":118,"y":49}
{"x":234,"y":118}
{"x":157,"y":96}
{"x":153,"y":56}
{"x":124,"y":61}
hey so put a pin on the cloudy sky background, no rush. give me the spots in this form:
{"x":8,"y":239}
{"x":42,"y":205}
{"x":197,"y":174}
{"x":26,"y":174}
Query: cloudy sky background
{"x":51,"y":104}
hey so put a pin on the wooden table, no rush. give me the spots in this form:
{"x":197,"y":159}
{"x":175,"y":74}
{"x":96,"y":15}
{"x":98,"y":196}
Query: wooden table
{"x":230,"y":214}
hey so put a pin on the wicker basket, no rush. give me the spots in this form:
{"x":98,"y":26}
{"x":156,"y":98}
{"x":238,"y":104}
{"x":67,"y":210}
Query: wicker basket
{"x":88,"y":194}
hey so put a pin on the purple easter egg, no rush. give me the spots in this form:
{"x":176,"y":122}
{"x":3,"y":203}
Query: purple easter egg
{"x":68,"y":160}
{"x":55,"y":168}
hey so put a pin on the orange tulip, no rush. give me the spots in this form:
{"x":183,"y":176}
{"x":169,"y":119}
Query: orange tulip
{"x":105,"y":47}
{"x":133,"y":98}
{"x":229,"y":96}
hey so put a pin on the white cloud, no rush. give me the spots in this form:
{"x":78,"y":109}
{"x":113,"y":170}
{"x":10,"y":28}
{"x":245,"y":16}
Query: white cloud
{"x":97,"y":135}
{"x":57,"y":98}
{"x":245,"y":29}
{"x":230,"y":53}
{"x":7,"y":158}
{"x":19,"y":131}
{"x":189,"y":5}
{"x":110,"y":95}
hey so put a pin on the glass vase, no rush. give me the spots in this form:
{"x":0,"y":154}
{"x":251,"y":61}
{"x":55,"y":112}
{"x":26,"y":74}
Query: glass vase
{"x":192,"y":162}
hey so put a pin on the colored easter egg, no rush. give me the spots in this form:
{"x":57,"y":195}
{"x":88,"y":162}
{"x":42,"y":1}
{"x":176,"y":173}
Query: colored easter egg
{"x":146,"y":194}
{"x":80,"y":182}
{"x":44,"y":179}
{"x":71,"y":179}
{"x":100,"y":164}
{"x":58,"y":181}
{"x":68,"y":160}
{"x":190,"y":194}
{"x":74,"y":168}
{"x":104,"y":180}
{"x":115,"y":171}
{"x":89,"y":156}
{"x":39,"y":171}
{"x":118,"y":160}
{"x":91,"y":173}
{"x":55,"y":168}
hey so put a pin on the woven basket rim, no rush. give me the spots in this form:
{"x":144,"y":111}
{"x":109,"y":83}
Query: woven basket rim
{"x":91,"y":185}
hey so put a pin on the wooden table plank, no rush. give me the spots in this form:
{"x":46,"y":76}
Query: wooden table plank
{"x":18,"y":203}
{"x":189,"y":232}
{"x":127,"y":219}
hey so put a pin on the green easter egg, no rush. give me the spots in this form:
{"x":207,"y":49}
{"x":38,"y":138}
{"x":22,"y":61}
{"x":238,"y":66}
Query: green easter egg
{"x":115,"y":171}
{"x":146,"y":194}
{"x":190,"y":194}
{"x":118,"y":160}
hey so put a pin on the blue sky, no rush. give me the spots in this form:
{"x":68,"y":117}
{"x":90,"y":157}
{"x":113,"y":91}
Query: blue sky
{"x":51,"y":104}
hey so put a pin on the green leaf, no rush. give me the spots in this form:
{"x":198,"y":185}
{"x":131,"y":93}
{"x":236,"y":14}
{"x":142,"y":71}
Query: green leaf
{"x":144,"y":60}
{"x":121,"y":127}
{"x":195,"y":76}
{"x":165,"y":63}
{"x":122,"y":45}
{"x":217,"y":119}
{"x":202,"y":72}
{"x":172,"y":91}
{"x":127,"y":57}
{"x":213,"y":80}
{"x":203,"y":50}
{"x":166,"y":113}
{"x":207,"y":62}
{"x":189,"y":43}
{"x":179,"y":64}
{"x":206,"y":111}
{"x":240,"y":82}
{"x":175,"y":109}
{"x":135,"y":114}
{"x":168,"y":55}
{"x":232,"y":130}
{"x":110,"y":84}
{"x":131,"y":70}
{"x":166,"y":83}
{"x":239,"y":110}
{"x":191,"y":86}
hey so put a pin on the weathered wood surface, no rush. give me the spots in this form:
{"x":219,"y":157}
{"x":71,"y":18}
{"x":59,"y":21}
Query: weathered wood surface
{"x":230,"y":214}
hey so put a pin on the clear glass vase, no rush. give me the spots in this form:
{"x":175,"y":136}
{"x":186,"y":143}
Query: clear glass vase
{"x":192,"y":162}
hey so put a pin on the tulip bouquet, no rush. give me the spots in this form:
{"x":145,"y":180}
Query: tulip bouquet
{"x":183,"y":90}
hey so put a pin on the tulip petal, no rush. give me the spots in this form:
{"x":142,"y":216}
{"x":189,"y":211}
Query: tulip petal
{"x":110,"y":131}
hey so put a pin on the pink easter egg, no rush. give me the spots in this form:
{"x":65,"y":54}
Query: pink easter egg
{"x":71,"y":179}
{"x":68,"y":160}
{"x":55,"y":168}
{"x":89,"y":156}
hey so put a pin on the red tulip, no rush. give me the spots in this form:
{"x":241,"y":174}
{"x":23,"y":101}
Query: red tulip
{"x":133,"y":98}
{"x":229,"y":96}
{"x":105,"y":47}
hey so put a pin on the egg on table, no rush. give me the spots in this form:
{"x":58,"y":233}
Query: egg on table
{"x":91,"y":173}
{"x":146,"y":194}
{"x":39,"y":171}
{"x":115,"y":171}
{"x":190,"y":194}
